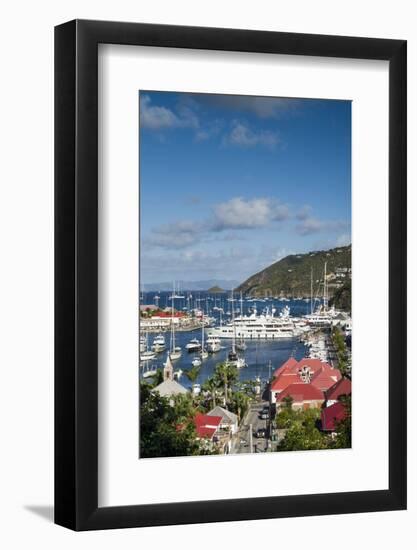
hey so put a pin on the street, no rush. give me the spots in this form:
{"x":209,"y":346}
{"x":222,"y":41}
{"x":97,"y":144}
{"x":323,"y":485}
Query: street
{"x":242,"y":444}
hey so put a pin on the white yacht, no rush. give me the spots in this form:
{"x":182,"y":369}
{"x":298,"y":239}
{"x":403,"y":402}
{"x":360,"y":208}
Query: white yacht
{"x":265,"y":326}
{"x":213,"y":344}
{"x":145,"y":354}
{"x":196,"y":362}
{"x":158,"y":344}
{"x":235,"y":360}
{"x":193,"y":345}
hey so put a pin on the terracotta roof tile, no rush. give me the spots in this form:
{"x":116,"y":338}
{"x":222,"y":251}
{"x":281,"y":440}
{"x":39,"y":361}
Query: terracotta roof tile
{"x":302,"y":392}
{"x":342,"y":387}
{"x":331,"y":415}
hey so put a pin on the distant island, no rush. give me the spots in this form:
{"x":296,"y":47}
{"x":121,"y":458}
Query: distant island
{"x":189,"y":285}
{"x":291,"y":276}
{"x":216,"y":290}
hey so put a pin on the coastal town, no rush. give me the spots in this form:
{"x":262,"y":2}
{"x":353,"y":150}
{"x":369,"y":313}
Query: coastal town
{"x":245,"y":274}
{"x":261,"y":381}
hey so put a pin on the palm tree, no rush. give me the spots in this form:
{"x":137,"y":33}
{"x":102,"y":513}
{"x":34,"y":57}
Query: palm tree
{"x":192,"y":374}
{"x":240,"y":403}
{"x":210,"y":386}
{"x":225,"y":374}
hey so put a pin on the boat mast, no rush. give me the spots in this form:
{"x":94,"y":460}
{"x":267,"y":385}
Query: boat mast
{"x":325,"y":287}
{"x":172,"y":322}
{"x":234,"y":326}
{"x":202,"y":333}
{"x":311,"y":292}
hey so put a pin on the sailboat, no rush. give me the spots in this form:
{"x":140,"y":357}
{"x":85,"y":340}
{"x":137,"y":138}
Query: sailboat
{"x":204,"y":352}
{"x":149,"y":370}
{"x":174,"y":351}
{"x":145,"y":354}
{"x":241,"y":344}
{"x":232,"y":357}
{"x":323,"y":315}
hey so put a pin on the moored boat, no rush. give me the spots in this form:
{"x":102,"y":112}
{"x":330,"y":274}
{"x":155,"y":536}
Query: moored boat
{"x":193,"y":345}
{"x":158,"y":344}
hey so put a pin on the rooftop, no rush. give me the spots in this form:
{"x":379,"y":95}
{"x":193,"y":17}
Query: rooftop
{"x":206,"y":425}
{"x":169,"y":387}
{"x":302,"y":392}
{"x":342,"y":387}
{"x":330,"y":416}
{"x":226,"y":416}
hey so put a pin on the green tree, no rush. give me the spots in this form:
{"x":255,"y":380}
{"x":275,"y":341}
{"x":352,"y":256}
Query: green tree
{"x":158,"y":378}
{"x":303,"y":433}
{"x":166,"y":426}
{"x":239,"y":403}
{"x":192,"y":374}
{"x":210,"y":386}
{"x":225,"y":375}
{"x":341,"y":351}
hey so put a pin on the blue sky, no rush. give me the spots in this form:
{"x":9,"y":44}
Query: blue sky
{"x":230,"y":184}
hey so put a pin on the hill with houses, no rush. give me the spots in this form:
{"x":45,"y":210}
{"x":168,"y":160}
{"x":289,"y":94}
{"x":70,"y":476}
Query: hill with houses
{"x":291,"y":276}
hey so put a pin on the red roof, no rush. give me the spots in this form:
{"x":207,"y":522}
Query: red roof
{"x":324,"y":378}
{"x":314,"y":364}
{"x":165,"y":314}
{"x":302,"y":392}
{"x":205,"y":425}
{"x":331,"y":415}
{"x":290,"y":362}
{"x":342,"y":387}
{"x":323,"y":375}
{"x":284,"y":379}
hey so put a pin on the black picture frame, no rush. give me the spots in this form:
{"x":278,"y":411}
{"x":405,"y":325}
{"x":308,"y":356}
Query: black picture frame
{"x":76,"y":272}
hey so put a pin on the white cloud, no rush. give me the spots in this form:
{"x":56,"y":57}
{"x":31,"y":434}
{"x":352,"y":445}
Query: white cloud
{"x":174,"y":235}
{"x":242,"y":136}
{"x":310,"y":225}
{"x":238,"y":213}
{"x":156,"y":117}
{"x":227,"y":217}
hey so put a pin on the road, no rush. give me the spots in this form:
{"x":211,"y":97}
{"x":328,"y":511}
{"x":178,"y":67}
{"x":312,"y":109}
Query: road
{"x":242,"y":444}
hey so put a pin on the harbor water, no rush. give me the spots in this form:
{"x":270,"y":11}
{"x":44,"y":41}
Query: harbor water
{"x":262,"y":356}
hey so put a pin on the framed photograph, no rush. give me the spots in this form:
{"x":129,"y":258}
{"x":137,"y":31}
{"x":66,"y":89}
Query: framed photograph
{"x":230,"y":338}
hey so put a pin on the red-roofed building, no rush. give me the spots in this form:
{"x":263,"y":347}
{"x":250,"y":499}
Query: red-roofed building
{"x":308,"y":371}
{"x":331,"y":416}
{"x":206,"y":426}
{"x":342,"y":387}
{"x":304,"y":396}
{"x":168,"y":314}
{"x":281,"y":382}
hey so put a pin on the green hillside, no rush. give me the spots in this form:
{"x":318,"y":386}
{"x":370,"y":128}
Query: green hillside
{"x":291,"y":276}
{"x":342,"y":297}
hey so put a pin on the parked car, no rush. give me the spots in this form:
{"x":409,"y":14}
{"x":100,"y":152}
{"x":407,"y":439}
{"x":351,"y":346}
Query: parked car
{"x":260,"y":433}
{"x":264,"y":415}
